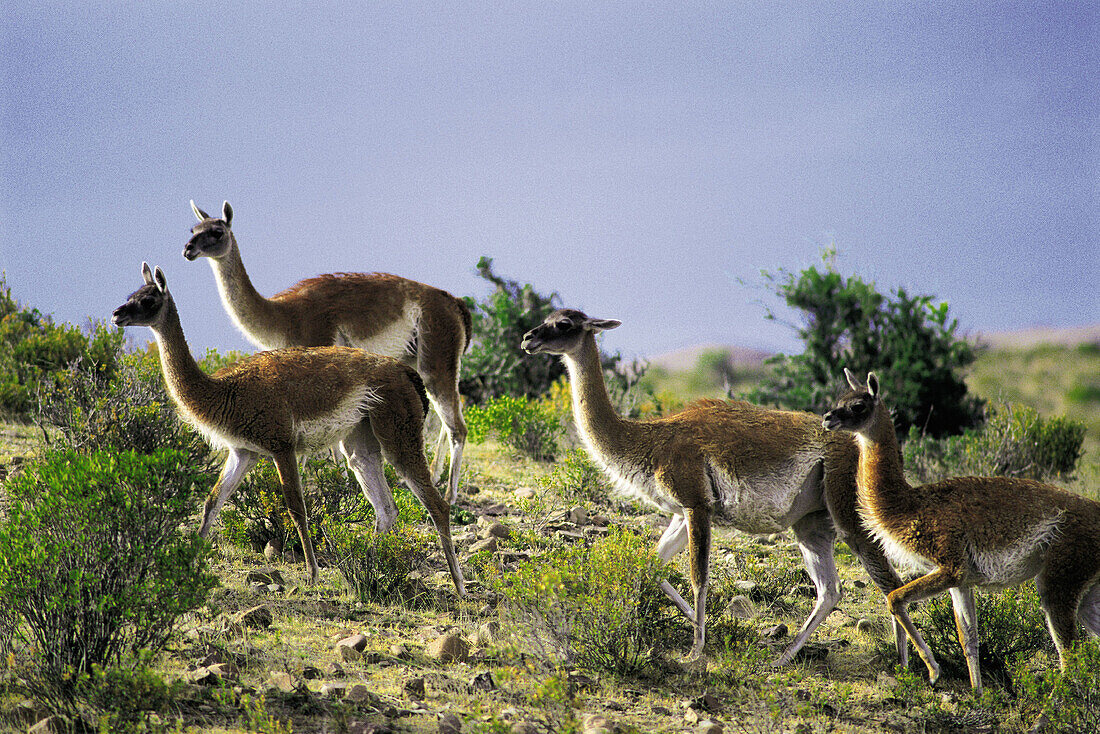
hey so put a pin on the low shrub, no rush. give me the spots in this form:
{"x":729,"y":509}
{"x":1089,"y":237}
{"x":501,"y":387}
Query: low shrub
{"x":576,"y":478}
{"x":130,"y":410}
{"x":257,"y":512}
{"x":34,"y":351}
{"x":1014,"y":441}
{"x":1011,"y":624}
{"x":528,"y":426}
{"x":1069,"y":700}
{"x":95,"y":566}
{"x":598,"y":607}
{"x":377,"y":567}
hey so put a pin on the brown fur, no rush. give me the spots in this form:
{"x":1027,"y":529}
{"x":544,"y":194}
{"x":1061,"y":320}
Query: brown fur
{"x":673,"y":460}
{"x":959,"y":524}
{"x":349,"y":309}
{"x":285,"y":402}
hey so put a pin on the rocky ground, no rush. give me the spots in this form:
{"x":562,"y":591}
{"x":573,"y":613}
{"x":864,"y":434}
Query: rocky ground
{"x":268,"y":653}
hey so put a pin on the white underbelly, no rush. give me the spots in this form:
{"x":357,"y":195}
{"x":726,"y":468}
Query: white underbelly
{"x":768,"y":501}
{"x":1019,"y":561}
{"x":392,"y":340}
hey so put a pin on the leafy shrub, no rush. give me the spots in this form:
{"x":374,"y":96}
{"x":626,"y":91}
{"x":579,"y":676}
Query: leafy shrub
{"x":1011,"y":623}
{"x":847,"y":323}
{"x":576,"y":478}
{"x":597,"y":607}
{"x":377,"y":567}
{"x":495,"y":364}
{"x":33,"y":350}
{"x":527,"y":426}
{"x":1068,"y":699}
{"x":86,"y":410}
{"x":257,"y":512}
{"x":95,"y":565}
{"x":1015,"y":441}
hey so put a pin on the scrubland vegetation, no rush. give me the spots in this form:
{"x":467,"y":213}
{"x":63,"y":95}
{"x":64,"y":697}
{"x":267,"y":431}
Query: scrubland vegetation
{"x":114,"y":616}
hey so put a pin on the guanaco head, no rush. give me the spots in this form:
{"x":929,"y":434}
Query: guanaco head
{"x":563,"y":332}
{"x":855,"y":409}
{"x":210,"y":237}
{"x":146,"y":305}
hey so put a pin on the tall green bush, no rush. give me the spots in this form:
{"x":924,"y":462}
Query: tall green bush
{"x":496,"y":365}
{"x":94,"y":565}
{"x":34,"y":351}
{"x":528,"y":426}
{"x":907,"y":339}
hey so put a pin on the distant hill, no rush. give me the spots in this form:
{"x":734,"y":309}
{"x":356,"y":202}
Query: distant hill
{"x":686,"y":358}
{"x":1069,"y":336}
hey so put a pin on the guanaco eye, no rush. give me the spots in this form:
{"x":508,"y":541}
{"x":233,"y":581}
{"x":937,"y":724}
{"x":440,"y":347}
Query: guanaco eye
{"x":563,"y":325}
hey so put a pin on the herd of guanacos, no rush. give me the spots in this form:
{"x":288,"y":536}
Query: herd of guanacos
{"x":356,"y":360}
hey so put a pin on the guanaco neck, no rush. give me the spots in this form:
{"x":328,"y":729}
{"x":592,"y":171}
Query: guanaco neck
{"x":188,"y":385}
{"x":253,"y":314}
{"x":880,"y":480}
{"x":601,"y":427}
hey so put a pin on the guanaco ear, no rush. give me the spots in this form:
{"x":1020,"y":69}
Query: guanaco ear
{"x":199,"y":213}
{"x":146,"y":273}
{"x":162,"y":282}
{"x":227,"y":213}
{"x":872,"y":384}
{"x":601,"y":324}
{"x":854,"y":383}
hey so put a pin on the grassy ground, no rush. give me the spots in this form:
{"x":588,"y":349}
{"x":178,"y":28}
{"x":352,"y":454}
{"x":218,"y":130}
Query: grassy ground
{"x":846,"y":681}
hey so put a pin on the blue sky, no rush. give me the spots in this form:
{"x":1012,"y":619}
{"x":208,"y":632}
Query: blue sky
{"x":644,"y":160}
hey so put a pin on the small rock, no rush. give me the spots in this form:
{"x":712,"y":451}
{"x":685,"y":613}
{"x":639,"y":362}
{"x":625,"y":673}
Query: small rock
{"x":448,"y":648}
{"x":483,"y":682}
{"x":614,"y":706}
{"x":273,"y":550}
{"x":357,"y":642}
{"x":334,"y":689}
{"x":494,"y":510}
{"x":525,"y":727}
{"x":415,"y":688}
{"x":595,"y":724}
{"x":691,"y":716}
{"x":859,"y":583}
{"x":601,"y":520}
{"x":311,"y":673}
{"x":661,"y":711}
{"x":709,"y":726}
{"x":472,"y":489}
{"x":50,"y":725}
{"x":577,"y":515}
{"x":487,"y":634}
{"x":525,"y":493}
{"x":348,"y":654}
{"x":488,"y":544}
{"x":366,"y":727}
{"x":746,"y":587}
{"x":498,"y":530}
{"x":359,"y":693}
{"x":740,"y":607}
{"x":449,"y":723}
{"x":777,"y":632}
{"x":264,"y":576}
{"x":582,"y":682}
{"x":398,"y":650}
{"x":867,"y":626}
{"x":282,"y":681}
{"x":257,"y":617}
{"x":335,"y":670}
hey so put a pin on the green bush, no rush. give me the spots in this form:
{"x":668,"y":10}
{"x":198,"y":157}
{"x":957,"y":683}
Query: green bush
{"x":34,"y":351}
{"x":1015,"y":441}
{"x":257,"y":512}
{"x":847,"y":323}
{"x":129,"y":410}
{"x":1011,"y":624}
{"x":1068,"y":699}
{"x":599,"y":607}
{"x":577,"y":479}
{"x":377,"y":567}
{"x":94,"y":565}
{"x":495,"y":364}
{"x":528,"y":426}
